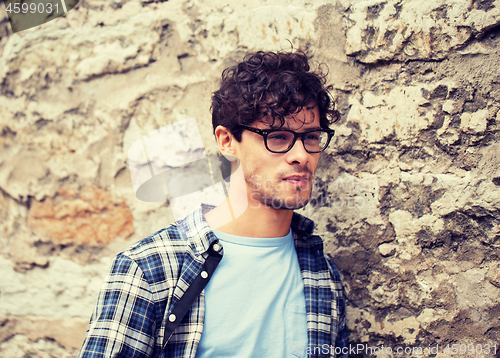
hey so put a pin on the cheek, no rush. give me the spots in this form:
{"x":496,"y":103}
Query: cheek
{"x":252,"y":170}
{"x":314,"y":163}
{"x":260,"y":163}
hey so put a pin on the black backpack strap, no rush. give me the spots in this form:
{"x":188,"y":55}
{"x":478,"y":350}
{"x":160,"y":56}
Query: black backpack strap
{"x":186,"y":301}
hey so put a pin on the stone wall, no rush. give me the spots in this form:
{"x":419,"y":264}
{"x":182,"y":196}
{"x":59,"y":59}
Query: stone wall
{"x":407,"y":196}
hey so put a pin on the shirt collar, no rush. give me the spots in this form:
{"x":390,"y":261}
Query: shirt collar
{"x":302,"y":225}
{"x":198,"y":233}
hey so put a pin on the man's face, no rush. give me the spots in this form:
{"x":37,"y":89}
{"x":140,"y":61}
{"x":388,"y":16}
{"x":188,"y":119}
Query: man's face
{"x":279,"y":180}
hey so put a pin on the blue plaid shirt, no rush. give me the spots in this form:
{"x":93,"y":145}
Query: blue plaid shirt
{"x":147,"y":280}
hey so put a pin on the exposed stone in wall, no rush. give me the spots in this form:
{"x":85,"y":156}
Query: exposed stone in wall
{"x":407,"y":196}
{"x":85,"y":216}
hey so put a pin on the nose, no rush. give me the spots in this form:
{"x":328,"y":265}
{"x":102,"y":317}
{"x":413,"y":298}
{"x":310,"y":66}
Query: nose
{"x":297,"y":154}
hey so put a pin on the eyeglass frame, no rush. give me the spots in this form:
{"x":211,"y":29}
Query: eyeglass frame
{"x":265,"y":132}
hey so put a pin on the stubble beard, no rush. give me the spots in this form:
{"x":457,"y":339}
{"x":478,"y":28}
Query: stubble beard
{"x":271,"y":197}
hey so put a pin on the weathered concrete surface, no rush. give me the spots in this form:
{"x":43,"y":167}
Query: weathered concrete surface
{"x":404,"y":30}
{"x":407,"y":196}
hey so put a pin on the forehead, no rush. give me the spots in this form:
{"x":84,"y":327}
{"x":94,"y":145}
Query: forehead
{"x":306,"y":117}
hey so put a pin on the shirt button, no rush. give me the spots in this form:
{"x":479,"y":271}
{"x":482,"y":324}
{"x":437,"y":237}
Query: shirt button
{"x":172,"y":318}
{"x":204,"y":274}
{"x":216,"y":247}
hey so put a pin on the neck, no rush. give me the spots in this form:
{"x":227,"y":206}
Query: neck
{"x":240,"y":215}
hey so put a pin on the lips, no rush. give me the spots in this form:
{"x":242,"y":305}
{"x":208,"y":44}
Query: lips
{"x":297,"y":179}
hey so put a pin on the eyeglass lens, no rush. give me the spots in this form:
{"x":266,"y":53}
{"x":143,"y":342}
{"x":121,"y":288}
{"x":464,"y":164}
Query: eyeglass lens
{"x":313,"y":142}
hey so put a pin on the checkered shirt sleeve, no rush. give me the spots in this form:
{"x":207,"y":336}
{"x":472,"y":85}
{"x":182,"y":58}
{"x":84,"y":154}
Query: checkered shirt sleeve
{"x":341,"y":342}
{"x":123,"y":322}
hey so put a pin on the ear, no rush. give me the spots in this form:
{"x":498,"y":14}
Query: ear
{"x":225,"y":141}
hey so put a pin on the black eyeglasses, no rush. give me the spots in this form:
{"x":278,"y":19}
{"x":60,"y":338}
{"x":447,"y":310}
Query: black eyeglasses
{"x":282,"y":140}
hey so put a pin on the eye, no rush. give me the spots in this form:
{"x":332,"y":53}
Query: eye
{"x":279,"y":136}
{"x":312,"y":136}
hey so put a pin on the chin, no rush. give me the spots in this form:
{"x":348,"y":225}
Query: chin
{"x":283,"y":202}
{"x":294,"y":203}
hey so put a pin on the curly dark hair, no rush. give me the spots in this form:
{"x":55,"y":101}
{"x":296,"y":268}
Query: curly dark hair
{"x":270,"y":84}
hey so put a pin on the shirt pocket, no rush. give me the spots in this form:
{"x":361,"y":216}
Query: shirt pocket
{"x":296,"y":330}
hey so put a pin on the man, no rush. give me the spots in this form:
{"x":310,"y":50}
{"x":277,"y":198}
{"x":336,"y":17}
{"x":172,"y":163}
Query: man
{"x":271,"y":291}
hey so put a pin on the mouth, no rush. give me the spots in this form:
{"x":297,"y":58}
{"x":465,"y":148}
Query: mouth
{"x":298,"y":180}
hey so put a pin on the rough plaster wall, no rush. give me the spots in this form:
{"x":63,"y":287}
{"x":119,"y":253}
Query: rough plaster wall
{"x":407,"y":197}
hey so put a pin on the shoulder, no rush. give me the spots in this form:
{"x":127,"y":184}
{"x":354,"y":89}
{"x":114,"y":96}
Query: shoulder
{"x":157,"y":258}
{"x":165,"y":241}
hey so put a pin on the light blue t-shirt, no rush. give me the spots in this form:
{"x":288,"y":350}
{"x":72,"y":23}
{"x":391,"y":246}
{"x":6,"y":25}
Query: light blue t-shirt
{"x":254,"y":302}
